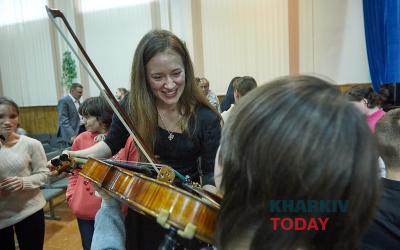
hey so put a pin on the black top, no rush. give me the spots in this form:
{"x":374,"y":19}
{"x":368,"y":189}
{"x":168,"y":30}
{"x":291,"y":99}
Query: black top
{"x":384,"y":231}
{"x":229,"y":99}
{"x":185,"y":152}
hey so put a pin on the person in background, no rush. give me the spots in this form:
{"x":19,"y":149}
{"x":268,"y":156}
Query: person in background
{"x":368,"y":102}
{"x":175,"y":120}
{"x":22,"y":171}
{"x":204,"y":85}
{"x":241,"y":86}
{"x":384,"y":231}
{"x":275,"y":147}
{"x":97,"y":115}
{"x":121,"y":93}
{"x":69,"y":120}
{"x":228,"y":98}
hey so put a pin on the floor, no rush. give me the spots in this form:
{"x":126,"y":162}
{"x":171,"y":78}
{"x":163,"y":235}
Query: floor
{"x":64,"y":233}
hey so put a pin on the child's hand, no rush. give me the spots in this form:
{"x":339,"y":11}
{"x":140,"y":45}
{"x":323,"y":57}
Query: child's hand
{"x":101,"y":193}
{"x":12,"y":184}
{"x":107,"y":200}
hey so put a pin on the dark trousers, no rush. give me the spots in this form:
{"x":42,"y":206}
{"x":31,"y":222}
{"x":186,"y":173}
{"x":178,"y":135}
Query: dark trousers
{"x":144,"y":233}
{"x":86,"y":229}
{"x":30,"y":233}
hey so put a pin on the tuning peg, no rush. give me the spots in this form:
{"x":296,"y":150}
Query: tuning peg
{"x":56,"y":162}
{"x":64,"y":157}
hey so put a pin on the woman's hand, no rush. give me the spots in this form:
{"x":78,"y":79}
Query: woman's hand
{"x":12,"y":184}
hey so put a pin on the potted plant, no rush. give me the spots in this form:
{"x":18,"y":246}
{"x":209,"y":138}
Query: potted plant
{"x":68,"y":70}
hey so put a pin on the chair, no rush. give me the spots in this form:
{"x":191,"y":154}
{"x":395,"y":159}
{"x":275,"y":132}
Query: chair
{"x":54,"y":188}
{"x":49,"y":194}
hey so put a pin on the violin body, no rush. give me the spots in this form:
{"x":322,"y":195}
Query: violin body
{"x":153,"y":197}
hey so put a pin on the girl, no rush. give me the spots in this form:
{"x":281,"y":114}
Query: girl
{"x":80,"y":193}
{"x":22,"y":171}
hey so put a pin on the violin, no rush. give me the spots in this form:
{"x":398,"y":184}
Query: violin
{"x":193,"y":213}
{"x":171,"y":206}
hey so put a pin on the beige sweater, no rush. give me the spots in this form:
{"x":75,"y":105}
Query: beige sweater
{"x":25,"y":159}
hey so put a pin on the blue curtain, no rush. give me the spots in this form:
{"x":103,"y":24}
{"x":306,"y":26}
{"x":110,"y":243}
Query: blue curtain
{"x":382,"y":36}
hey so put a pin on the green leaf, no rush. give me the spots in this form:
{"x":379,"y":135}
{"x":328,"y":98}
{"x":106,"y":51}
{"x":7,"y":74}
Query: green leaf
{"x":68,"y":70}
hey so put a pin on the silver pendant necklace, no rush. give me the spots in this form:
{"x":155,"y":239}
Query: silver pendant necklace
{"x":171,"y":135}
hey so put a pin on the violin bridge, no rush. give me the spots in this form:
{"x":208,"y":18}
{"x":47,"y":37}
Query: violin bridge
{"x":167,"y":174}
{"x":162,"y":218}
{"x":188,"y":232}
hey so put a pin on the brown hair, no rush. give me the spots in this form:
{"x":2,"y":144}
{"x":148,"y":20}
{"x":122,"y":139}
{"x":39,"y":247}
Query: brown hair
{"x":357,"y":93}
{"x":295,"y":138}
{"x":9,"y":102}
{"x":387,"y":132}
{"x":75,"y":86}
{"x":142,"y":107}
{"x":99,"y":108}
{"x":244,"y":84}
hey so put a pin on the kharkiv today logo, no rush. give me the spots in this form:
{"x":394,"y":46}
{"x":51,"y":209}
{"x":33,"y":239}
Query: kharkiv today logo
{"x":314,"y":215}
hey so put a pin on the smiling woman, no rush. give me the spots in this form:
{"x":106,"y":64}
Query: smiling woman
{"x":22,"y":171}
{"x":176,"y":121}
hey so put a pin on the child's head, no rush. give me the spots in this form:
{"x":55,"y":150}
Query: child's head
{"x":10,"y":103}
{"x":9,"y":113}
{"x":295,"y":138}
{"x":388,"y":135}
{"x":97,"y":114}
{"x":243,"y":85}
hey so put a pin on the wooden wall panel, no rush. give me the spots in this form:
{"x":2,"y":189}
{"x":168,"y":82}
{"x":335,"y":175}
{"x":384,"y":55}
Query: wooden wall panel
{"x":343,"y":88}
{"x":39,"y":119}
{"x":43,"y":119}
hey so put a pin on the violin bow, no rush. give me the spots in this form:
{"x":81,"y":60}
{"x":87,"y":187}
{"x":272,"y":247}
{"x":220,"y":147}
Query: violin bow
{"x":105,"y":91}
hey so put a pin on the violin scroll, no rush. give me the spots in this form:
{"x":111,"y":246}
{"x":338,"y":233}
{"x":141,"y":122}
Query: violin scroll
{"x":63,"y":164}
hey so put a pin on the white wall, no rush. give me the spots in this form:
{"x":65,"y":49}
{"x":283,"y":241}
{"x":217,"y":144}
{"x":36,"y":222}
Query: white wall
{"x":239,"y":37}
{"x":244,"y":38}
{"x":111,"y":37}
{"x":332,"y":41}
{"x":27,"y":73}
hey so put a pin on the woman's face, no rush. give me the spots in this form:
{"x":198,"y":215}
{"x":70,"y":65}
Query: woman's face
{"x":166,"y":76}
{"x":92,"y":124}
{"x":118,"y":95}
{"x":8,"y":119}
{"x":204,"y":86}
